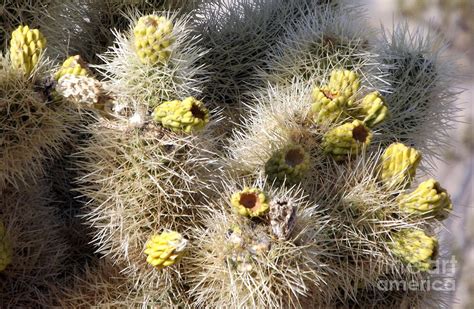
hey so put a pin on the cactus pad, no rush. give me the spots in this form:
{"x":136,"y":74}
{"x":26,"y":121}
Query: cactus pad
{"x":182,"y":116}
{"x":415,"y":248}
{"x":429,"y":198}
{"x":289,"y":163}
{"x":373,"y":109}
{"x":346,"y":139}
{"x":152,"y":39}
{"x":250,"y":202}
{"x":73,"y":65}
{"x":399,"y":164}
{"x":26,"y":46}
{"x":5,"y":249}
{"x":165,"y":249}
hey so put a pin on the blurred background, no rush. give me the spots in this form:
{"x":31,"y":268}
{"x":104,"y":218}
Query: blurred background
{"x":453,"y":20}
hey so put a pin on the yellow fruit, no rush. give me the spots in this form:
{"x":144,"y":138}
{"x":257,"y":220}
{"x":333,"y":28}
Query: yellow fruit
{"x":182,"y":116}
{"x":289,"y":163}
{"x":373,"y":109}
{"x":428,"y":199}
{"x":5,"y":249}
{"x":165,"y":249}
{"x":26,"y":47}
{"x":153,"y":38}
{"x":399,"y":163}
{"x":327,"y":108}
{"x":347,"y":139}
{"x":343,"y":83}
{"x":73,"y":65}
{"x":250,"y":202}
{"x":415,"y":248}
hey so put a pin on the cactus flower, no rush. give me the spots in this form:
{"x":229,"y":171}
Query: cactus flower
{"x":73,"y":65}
{"x":250,"y":202}
{"x":399,"y":163}
{"x":165,"y":249}
{"x":415,"y":248}
{"x":182,"y":116}
{"x":428,"y":199}
{"x":26,"y":46}
{"x":152,"y":39}
{"x":343,"y":83}
{"x":289,"y":163}
{"x":347,"y":139}
{"x":326,"y":107}
{"x":373,"y":109}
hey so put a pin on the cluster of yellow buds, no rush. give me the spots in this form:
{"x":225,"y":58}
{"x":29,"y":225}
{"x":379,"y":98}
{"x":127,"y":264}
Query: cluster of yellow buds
{"x":346,"y":139}
{"x":165,"y":249}
{"x":428,"y":199}
{"x":289,"y":163}
{"x":182,"y":116}
{"x":335,"y":102}
{"x":26,"y":46}
{"x":74,"y":65}
{"x":153,"y":38}
{"x":399,"y":164}
{"x":415,"y":248}
{"x":5,"y":249}
{"x":250,"y":202}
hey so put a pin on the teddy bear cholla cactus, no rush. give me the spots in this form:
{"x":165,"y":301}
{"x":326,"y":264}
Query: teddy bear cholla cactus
{"x":239,"y":262}
{"x":37,"y":248}
{"x":359,"y":193}
{"x":34,"y":125}
{"x":174,"y":77}
{"x":421,"y":90}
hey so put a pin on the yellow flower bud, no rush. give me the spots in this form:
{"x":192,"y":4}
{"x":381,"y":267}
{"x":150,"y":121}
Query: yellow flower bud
{"x":26,"y":46}
{"x":415,"y":248}
{"x":373,"y":109}
{"x":290,"y":163}
{"x":250,"y":202}
{"x":347,"y":139}
{"x":182,"y":116}
{"x":428,"y":199}
{"x":399,"y":163}
{"x":344,"y":83}
{"x":153,"y":38}
{"x":73,"y":65}
{"x":326,"y":107}
{"x":165,"y":249}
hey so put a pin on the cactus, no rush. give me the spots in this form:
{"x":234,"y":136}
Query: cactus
{"x":35,"y":262}
{"x":244,"y":154}
{"x":428,"y":199}
{"x":30,"y":119}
